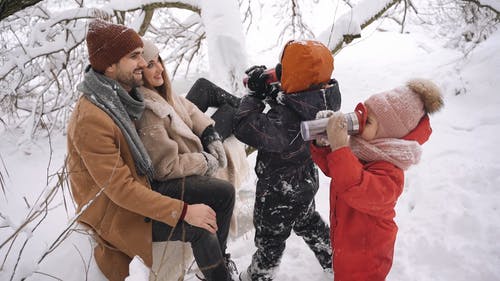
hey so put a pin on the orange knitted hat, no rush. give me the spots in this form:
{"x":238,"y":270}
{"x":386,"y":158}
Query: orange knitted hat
{"x":305,"y":63}
{"x":107,"y":43}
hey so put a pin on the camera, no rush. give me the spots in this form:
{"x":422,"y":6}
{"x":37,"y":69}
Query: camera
{"x":272,"y":77}
{"x":355,"y":122}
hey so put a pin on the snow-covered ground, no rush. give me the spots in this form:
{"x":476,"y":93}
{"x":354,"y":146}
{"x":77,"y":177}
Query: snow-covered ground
{"x":448,"y":215}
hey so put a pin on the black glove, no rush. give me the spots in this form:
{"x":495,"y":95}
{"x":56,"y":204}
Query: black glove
{"x":273,"y":93}
{"x":257,"y":81}
{"x":208,"y":136}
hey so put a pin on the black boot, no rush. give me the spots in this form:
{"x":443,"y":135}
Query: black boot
{"x":230,"y":265}
{"x":218,"y":273}
{"x":224,"y":120}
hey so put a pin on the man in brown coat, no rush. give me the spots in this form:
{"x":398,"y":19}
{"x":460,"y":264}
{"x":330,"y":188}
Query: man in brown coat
{"x":110,"y":171}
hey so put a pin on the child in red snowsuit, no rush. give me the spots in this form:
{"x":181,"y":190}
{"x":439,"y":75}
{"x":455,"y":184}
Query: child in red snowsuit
{"x":367,"y":174}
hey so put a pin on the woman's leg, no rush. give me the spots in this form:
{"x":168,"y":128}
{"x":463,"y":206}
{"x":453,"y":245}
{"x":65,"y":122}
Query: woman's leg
{"x":205,"y":94}
{"x":208,"y":249}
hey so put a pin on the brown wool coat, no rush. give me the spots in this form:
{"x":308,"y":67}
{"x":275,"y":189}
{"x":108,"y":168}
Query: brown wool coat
{"x":171,"y":135}
{"x":114,"y":198}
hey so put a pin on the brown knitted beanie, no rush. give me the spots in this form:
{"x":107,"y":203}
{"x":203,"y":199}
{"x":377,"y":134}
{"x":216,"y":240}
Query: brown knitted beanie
{"x":107,"y":43}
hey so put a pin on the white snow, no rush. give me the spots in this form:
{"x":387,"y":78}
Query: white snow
{"x":226,"y":43}
{"x":448,"y":214}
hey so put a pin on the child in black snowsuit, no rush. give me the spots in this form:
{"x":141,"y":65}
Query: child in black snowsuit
{"x":287,"y":178}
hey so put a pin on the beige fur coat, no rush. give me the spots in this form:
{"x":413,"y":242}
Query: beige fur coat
{"x":171,"y":135}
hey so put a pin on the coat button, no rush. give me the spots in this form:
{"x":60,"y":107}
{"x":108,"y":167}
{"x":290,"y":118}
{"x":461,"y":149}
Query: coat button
{"x":146,"y":219}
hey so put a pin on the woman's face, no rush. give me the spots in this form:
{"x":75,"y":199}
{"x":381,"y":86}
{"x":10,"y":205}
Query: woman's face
{"x":371,"y":126}
{"x":153,"y":72}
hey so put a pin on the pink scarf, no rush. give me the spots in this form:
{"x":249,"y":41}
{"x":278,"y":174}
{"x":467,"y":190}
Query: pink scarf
{"x":402,"y":153}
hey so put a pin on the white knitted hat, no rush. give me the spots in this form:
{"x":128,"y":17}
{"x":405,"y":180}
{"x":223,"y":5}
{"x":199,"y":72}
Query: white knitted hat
{"x":150,"y":50}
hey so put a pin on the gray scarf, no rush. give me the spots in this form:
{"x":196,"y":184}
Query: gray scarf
{"x":122,"y":107}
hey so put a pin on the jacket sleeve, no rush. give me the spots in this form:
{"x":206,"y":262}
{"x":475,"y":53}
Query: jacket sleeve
{"x":372,"y":189}
{"x":168,"y":162}
{"x":96,"y":140}
{"x":318,"y":155}
{"x":257,"y":129}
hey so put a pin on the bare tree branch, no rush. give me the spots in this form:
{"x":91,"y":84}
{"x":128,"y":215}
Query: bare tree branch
{"x":486,"y":6}
{"x":147,"y":20}
{"x":159,"y":5}
{"x":2,"y":178}
{"x":295,"y":23}
{"x":48,"y":275}
{"x":10,"y":7}
{"x":247,"y":14}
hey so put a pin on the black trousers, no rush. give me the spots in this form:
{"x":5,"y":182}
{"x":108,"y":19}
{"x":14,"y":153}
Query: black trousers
{"x":208,"y":248}
{"x":205,"y":94}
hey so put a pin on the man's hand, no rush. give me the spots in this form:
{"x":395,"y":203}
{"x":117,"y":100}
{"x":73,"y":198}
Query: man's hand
{"x":202,"y":216}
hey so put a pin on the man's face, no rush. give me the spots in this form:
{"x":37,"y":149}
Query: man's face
{"x":128,"y":70}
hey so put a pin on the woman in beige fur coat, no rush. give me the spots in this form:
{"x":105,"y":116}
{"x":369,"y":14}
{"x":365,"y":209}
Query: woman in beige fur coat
{"x":186,"y":150}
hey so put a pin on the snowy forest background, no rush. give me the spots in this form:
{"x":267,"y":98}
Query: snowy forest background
{"x":449,"y":214}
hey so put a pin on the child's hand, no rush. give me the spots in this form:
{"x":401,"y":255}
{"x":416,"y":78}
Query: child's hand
{"x":337,"y":131}
{"x":324,"y":114}
{"x":323,"y":140}
{"x":257,"y":81}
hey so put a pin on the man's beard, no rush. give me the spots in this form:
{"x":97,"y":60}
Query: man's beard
{"x":129,"y":79}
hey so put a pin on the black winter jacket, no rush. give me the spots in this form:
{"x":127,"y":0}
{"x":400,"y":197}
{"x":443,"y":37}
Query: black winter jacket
{"x":276,"y":134}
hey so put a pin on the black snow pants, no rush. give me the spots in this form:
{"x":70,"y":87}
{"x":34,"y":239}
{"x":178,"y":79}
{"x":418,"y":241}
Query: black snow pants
{"x":283,"y":205}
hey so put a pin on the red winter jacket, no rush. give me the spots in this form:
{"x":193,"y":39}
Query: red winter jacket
{"x":362,"y":201}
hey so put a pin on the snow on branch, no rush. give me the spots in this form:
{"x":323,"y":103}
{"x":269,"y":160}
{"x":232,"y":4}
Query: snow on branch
{"x":129,"y":6}
{"x":46,"y":38}
{"x":148,"y":8}
{"x":493,"y":6}
{"x":350,"y":24}
{"x":41,"y":63}
{"x":8,"y":8}
{"x":43,"y":54}
{"x":179,"y":41}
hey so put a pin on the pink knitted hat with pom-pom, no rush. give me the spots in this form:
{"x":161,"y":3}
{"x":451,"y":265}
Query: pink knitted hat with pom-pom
{"x":399,"y":110}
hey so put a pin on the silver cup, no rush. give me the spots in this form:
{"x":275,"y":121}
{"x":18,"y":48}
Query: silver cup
{"x":313,"y":129}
